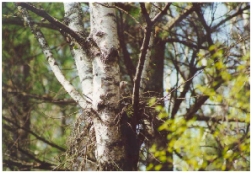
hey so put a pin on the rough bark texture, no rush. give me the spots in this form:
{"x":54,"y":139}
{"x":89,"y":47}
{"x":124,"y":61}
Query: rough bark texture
{"x":119,"y":122}
{"x":73,"y":18}
{"x":49,"y":56}
{"x":110,"y":152}
{"x":83,"y":132}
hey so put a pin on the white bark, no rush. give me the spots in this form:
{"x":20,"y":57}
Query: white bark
{"x":53,"y":64}
{"x":83,"y":62}
{"x":105,"y":93}
{"x":106,"y":86}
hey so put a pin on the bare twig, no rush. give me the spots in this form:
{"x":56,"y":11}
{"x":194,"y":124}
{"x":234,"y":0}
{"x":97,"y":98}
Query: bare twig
{"x":115,"y":6}
{"x":239,"y":11}
{"x":145,"y":14}
{"x":217,"y":119}
{"x":161,"y":13}
{"x":45,"y":98}
{"x":18,"y":21}
{"x":188,"y":10}
{"x":79,"y":39}
{"x":126,"y":56}
{"x":86,"y":105}
{"x":135,"y":96}
{"x":34,"y":134}
{"x":142,"y":57}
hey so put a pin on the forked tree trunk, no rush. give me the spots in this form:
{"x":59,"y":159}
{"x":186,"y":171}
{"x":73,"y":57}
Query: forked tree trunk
{"x":97,"y":63}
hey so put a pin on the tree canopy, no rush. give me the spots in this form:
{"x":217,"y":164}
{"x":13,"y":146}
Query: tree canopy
{"x":187,"y":69}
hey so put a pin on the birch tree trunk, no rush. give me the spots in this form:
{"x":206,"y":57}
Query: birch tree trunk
{"x":96,"y":58}
{"x":73,"y":17}
{"x":115,"y":122}
{"x":101,"y":95}
{"x":110,"y":152}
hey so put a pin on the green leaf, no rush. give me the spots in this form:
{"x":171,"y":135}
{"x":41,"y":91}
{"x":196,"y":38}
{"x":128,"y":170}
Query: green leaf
{"x":158,"y":167}
{"x":134,"y":11}
{"x":159,"y":108}
{"x":152,"y":101}
{"x":150,"y":166}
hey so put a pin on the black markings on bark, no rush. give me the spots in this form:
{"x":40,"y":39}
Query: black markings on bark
{"x":107,"y":68}
{"x":66,"y":20}
{"x":108,"y":78}
{"x":100,"y":34}
{"x":109,"y":95}
{"x":100,"y":105}
{"x":115,"y":144}
{"x":111,"y":14}
{"x":106,"y":82}
{"x":109,"y":55}
{"x":94,"y":49}
{"x":102,"y":96}
{"x":85,"y":78}
{"x":117,"y":83}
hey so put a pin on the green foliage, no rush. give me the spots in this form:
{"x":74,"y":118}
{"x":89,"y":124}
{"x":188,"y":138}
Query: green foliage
{"x":215,"y":136}
{"x":134,"y":11}
{"x":33,"y":88}
{"x":211,"y":145}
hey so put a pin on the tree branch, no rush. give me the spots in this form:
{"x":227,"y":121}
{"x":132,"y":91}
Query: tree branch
{"x":78,"y":38}
{"x":34,"y":134}
{"x":145,"y":74}
{"x":86,"y":105}
{"x":144,"y":51}
{"x":161,"y":13}
{"x":217,"y":119}
{"x":145,"y":14}
{"x":119,"y":7}
{"x":29,"y":165}
{"x":181,"y":16}
{"x":52,"y":62}
{"x":126,"y":56}
{"x":193,"y":71}
{"x":45,"y":98}
{"x":26,"y":165}
{"x":73,"y":13}
{"x":239,"y":11}
{"x":144,"y":48}
{"x":186,"y":43}
{"x":218,"y":80}
{"x":190,"y":114}
{"x":19,"y":21}
{"x":203,"y":22}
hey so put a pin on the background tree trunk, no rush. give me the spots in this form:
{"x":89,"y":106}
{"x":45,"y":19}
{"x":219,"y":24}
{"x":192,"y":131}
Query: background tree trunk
{"x":80,"y":114}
